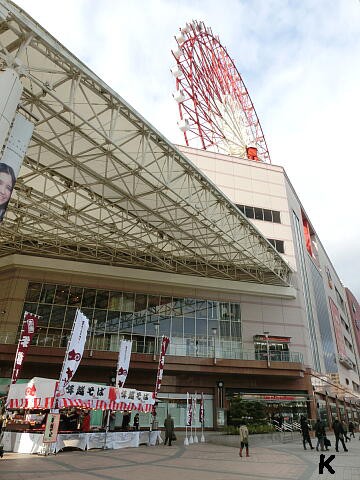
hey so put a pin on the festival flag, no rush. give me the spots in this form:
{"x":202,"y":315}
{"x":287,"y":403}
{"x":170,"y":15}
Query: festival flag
{"x":164,"y":345}
{"x":123,"y":362}
{"x":75,"y":349}
{"x":194,"y":402}
{"x":27,"y":333}
{"x":201,"y":410}
{"x":189,"y":410}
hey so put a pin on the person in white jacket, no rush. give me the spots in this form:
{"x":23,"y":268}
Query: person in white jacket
{"x":244,"y":439}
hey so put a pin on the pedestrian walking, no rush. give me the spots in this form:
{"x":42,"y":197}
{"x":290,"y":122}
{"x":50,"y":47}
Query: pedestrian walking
{"x":352,"y":429}
{"x":244,"y":439}
{"x":338,"y":428}
{"x":169,"y":429}
{"x":305,"y":432}
{"x":347,"y":439}
{"x":320,"y":434}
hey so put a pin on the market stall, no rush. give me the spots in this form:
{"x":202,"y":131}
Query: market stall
{"x":30,"y":403}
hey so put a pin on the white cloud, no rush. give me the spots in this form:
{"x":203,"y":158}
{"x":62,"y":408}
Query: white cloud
{"x":299,"y":60}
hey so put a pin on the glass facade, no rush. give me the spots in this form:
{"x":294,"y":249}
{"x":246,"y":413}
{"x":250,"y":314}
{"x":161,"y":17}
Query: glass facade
{"x":328,"y":346}
{"x":306,"y":289}
{"x":141,"y":317}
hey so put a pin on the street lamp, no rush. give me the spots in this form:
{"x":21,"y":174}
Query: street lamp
{"x":267,"y":348}
{"x":214,"y":332}
{"x":157,"y":327}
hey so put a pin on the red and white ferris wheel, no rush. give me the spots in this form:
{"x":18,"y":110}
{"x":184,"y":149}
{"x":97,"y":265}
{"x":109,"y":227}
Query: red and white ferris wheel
{"x":216,"y":111}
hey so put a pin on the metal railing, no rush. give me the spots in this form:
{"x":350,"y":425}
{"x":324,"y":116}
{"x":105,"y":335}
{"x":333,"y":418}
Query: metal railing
{"x":185,"y":348}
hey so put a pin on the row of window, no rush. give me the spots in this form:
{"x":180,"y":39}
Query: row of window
{"x":132,"y":315}
{"x":128,"y":302}
{"x":277,"y":244}
{"x":260,"y":213}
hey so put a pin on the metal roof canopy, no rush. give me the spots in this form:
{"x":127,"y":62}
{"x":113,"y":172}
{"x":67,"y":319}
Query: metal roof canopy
{"x":99,"y":184}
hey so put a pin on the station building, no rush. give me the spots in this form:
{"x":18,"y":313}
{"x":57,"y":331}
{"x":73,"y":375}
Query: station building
{"x":152,"y":239}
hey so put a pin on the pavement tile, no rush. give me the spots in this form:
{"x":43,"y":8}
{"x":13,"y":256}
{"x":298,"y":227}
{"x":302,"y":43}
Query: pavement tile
{"x":196,"y":462}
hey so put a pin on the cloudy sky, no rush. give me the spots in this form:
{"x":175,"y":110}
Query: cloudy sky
{"x":300,"y":61}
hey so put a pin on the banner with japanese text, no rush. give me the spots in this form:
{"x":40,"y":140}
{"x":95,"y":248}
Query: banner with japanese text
{"x":27,"y":333}
{"x":201,"y":410}
{"x":51,"y":427}
{"x":39,"y":393}
{"x":164,"y":345}
{"x":189,"y":411}
{"x":75,"y":349}
{"x":123,"y":362}
{"x":194,"y":407}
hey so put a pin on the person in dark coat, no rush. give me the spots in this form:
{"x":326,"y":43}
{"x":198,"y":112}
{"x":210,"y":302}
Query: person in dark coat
{"x":169,"y":429}
{"x":126,"y":421}
{"x":339,"y":434}
{"x":305,"y":432}
{"x":351,"y":429}
{"x":320,"y":434}
{"x":136,"y":423}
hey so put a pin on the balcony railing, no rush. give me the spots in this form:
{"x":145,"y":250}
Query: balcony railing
{"x":177,"y":347}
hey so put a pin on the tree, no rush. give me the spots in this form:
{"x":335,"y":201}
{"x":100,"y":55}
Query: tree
{"x":247,"y":411}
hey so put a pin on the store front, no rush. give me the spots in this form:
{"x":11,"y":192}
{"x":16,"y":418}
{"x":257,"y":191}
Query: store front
{"x":175,"y":404}
{"x":287,"y":406}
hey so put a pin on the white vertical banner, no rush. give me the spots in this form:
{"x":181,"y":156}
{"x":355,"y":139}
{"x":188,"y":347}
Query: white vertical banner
{"x":189,"y":409}
{"x":123,"y":362}
{"x":75,"y":349}
{"x":190,"y":417}
{"x":194,"y":416}
{"x":186,"y":440}
{"x":202,"y":416}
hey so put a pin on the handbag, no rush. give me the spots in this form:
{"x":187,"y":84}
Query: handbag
{"x":341,"y":436}
{"x":173,"y":436}
{"x":327,"y":442}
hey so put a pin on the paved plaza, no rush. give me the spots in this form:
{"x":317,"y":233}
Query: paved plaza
{"x":196,"y":462}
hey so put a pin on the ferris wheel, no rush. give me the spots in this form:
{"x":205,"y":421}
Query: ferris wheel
{"x":216,"y":111}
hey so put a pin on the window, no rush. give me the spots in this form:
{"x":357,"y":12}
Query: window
{"x":260,"y":213}
{"x":276,"y":216}
{"x":348,"y":344}
{"x":113,"y":314}
{"x":277,"y":244}
{"x":339,"y":299}
{"x":249,"y":212}
{"x":268,"y":215}
{"x":345,"y":325}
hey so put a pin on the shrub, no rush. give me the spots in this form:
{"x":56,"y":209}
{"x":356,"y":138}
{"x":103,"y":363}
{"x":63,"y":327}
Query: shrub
{"x":253,"y":429}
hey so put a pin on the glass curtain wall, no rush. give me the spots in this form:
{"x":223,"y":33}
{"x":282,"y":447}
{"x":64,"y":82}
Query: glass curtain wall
{"x":196,"y":326}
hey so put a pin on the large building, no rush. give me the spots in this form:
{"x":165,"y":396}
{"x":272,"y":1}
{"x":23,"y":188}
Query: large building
{"x":149,"y":239}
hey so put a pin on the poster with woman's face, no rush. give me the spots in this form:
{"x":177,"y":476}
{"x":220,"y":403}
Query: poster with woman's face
{"x":12,"y":158}
{"x":7,"y":182}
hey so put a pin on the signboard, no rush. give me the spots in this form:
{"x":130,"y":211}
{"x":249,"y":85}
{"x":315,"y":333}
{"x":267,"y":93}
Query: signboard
{"x":273,"y":339}
{"x":220,"y":417}
{"x":51,"y":427}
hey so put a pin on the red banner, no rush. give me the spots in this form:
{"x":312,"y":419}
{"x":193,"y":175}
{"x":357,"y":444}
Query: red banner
{"x":201,"y":410}
{"x":164,"y":345}
{"x":189,"y":410}
{"x":27,"y":333}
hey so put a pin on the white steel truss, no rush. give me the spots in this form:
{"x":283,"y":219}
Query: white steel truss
{"x":99,"y":184}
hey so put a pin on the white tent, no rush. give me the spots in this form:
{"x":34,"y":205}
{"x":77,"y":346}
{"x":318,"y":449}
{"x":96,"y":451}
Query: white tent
{"x":40,"y":393}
